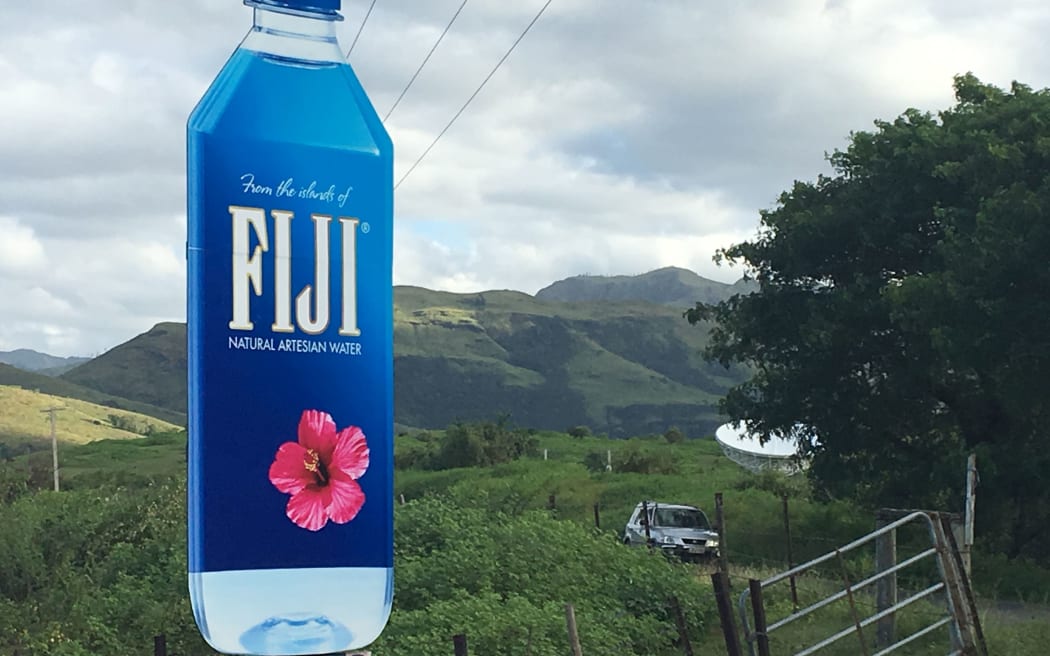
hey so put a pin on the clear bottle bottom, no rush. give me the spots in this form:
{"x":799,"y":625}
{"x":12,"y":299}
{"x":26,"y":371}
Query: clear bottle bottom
{"x":286,"y":612}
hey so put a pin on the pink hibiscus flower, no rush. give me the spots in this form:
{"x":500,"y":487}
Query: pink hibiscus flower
{"x":320,"y":471}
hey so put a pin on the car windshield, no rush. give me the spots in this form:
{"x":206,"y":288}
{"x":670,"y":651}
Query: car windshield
{"x":681,"y":518}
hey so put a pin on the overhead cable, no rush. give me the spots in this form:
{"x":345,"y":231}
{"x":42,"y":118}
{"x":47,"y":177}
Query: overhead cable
{"x":361,"y":28}
{"x":425,"y":60}
{"x":475,"y":94}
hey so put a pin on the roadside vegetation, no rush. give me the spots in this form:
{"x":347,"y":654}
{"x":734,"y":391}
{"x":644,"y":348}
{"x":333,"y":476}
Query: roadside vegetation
{"x":99,"y":568}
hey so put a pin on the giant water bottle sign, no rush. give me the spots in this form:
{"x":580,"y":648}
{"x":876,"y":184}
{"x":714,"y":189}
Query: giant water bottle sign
{"x":290,"y":183}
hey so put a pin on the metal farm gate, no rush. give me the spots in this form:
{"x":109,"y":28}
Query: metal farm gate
{"x":953,"y":588}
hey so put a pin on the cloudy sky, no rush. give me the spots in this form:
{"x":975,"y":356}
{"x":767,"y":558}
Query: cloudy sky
{"x":621,"y":135}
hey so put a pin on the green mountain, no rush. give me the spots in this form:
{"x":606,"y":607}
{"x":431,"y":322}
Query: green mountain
{"x":623,"y":368}
{"x":150,"y":368}
{"x":31,"y":360}
{"x":668,"y":286}
{"x":59,"y":387}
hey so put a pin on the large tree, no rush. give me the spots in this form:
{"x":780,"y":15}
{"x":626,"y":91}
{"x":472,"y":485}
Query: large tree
{"x":903,"y":314}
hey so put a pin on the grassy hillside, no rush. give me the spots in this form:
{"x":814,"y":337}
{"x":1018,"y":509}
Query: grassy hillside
{"x":622,"y":368}
{"x":150,"y":368}
{"x":25,"y":425}
{"x":60,"y":387}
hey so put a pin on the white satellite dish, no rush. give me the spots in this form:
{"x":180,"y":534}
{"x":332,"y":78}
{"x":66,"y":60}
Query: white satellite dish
{"x":741,"y":447}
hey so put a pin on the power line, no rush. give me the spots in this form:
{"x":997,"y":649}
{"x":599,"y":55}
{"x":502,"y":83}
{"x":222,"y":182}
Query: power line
{"x":474,"y":95}
{"x":361,"y":28}
{"x":425,"y":60}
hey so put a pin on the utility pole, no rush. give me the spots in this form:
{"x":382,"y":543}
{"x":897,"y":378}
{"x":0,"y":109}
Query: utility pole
{"x":54,"y":441}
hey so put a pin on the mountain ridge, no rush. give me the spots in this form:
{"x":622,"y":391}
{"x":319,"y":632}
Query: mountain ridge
{"x":664,"y":286}
{"x":37,"y":361}
{"x":622,"y":366}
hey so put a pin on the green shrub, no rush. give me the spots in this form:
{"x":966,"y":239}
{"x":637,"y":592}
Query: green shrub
{"x":674,"y":435}
{"x":500,"y":578}
{"x":482,"y":444}
{"x":645,"y":461}
{"x":596,"y":461}
{"x":579,"y":432}
{"x":995,"y":574}
{"x":131,"y":424}
{"x":776,"y":483}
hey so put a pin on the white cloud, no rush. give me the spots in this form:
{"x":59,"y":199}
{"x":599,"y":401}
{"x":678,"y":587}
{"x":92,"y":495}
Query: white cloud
{"x":21,"y":253}
{"x":618,"y":137}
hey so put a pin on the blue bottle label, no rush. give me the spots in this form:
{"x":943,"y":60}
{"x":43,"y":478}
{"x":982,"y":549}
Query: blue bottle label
{"x":291,"y":357}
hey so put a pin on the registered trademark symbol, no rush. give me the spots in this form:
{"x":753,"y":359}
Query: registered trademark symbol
{"x":365,"y":228}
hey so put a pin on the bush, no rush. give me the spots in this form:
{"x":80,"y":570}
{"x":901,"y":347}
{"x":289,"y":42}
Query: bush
{"x":95,"y":573}
{"x":503,"y":578}
{"x":416,"y":450}
{"x":777,"y":483}
{"x":674,"y":435}
{"x":480,"y":444}
{"x":579,"y":432}
{"x":131,"y":424}
{"x":596,"y":461}
{"x":635,"y":459}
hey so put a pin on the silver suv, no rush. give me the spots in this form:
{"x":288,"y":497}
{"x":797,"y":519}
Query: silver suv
{"x":676,"y":529}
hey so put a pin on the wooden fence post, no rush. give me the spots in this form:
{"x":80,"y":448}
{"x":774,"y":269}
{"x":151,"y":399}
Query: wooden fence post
{"x":758,"y":608}
{"x":886,"y":587}
{"x":720,"y":526}
{"x":791,"y":560}
{"x":574,"y":636}
{"x":683,"y":628}
{"x":723,"y":599}
{"x":597,"y":516}
{"x":968,"y":515}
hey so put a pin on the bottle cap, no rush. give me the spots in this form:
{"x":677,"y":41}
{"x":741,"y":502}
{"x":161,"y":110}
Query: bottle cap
{"x":301,"y":5}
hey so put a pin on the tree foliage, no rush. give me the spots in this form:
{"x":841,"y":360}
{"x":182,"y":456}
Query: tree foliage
{"x":468,"y":444}
{"x":903,"y":313}
{"x":95,"y":572}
